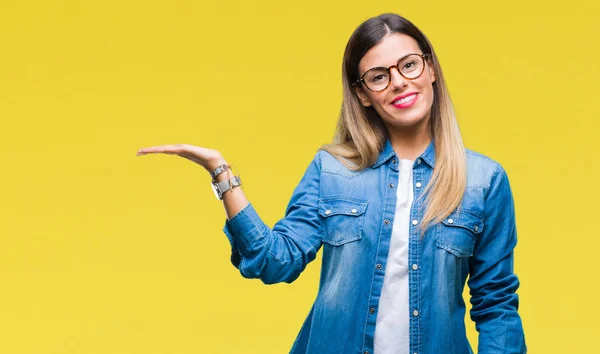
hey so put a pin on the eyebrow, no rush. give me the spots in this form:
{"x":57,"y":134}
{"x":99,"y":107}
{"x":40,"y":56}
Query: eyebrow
{"x":397,"y":60}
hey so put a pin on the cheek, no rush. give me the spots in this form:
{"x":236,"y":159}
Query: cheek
{"x":377,"y":103}
{"x":431,"y":95}
{"x":376,"y":99}
{"x":427,"y":90}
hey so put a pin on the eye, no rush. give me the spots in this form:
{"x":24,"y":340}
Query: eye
{"x":379,"y":78}
{"x":409,"y":65}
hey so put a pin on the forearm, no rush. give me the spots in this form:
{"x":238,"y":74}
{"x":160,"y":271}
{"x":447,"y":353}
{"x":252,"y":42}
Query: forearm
{"x":495,"y":313}
{"x":273,"y":255}
{"x":502,"y":335}
{"x":280,"y":253}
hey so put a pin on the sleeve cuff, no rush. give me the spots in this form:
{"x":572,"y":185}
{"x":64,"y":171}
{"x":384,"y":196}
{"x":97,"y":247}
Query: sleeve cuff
{"x":244,"y":229}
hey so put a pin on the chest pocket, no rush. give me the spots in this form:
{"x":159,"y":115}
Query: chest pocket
{"x":457,"y":233}
{"x":343,"y":220}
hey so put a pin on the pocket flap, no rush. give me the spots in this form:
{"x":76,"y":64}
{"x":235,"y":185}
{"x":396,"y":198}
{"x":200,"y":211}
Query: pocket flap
{"x":465,"y":219}
{"x":329,"y":207}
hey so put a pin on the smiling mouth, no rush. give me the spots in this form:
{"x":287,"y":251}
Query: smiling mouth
{"x":405,"y":100}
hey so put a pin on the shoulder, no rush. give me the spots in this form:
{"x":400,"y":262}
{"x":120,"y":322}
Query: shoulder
{"x":331,"y":164}
{"x":325,"y":162}
{"x":482,"y":170}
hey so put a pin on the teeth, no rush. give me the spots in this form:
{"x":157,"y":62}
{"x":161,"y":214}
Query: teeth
{"x":405,"y":99}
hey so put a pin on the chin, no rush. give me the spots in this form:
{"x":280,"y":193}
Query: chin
{"x":405,"y":121}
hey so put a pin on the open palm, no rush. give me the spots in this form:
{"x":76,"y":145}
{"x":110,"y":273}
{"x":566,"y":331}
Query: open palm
{"x":207,"y":158}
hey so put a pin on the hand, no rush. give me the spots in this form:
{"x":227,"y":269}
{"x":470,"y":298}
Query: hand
{"x":207,"y":158}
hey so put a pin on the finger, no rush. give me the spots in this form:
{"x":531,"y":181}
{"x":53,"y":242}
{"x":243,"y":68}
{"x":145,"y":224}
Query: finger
{"x":161,"y":149}
{"x":193,"y":153}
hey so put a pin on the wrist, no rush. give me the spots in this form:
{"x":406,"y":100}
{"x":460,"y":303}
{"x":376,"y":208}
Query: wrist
{"x":214,"y":163}
{"x":220,"y":170}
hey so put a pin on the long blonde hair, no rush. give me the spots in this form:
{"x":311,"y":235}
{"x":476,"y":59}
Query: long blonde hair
{"x":361,"y":134}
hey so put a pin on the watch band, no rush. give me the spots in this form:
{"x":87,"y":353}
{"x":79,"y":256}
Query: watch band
{"x":217,"y":171}
{"x":221,"y":187}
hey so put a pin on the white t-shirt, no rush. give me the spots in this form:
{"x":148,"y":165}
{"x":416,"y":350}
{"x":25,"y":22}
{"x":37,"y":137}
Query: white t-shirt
{"x":392,"y":326}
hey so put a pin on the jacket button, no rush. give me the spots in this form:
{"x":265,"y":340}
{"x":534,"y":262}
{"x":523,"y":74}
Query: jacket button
{"x":418,"y":184}
{"x":476,"y":228}
{"x":414,"y":222}
{"x":418,"y":161}
{"x":391,"y":185}
{"x":386,"y":221}
{"x":378,"y":266}
{"x":415,"y":266}
{"x":366,"y":352}
{"x":354,"y":211}
{"x":415,"y":313}
{"x":450,"y":221}
{"x":327,"y":212}
{"x":371,"y":310}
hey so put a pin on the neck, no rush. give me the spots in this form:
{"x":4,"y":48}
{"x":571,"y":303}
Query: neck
{"x":409,"y":142}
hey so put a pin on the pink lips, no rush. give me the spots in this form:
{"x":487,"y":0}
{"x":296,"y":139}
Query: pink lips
{"x":407,"y":103}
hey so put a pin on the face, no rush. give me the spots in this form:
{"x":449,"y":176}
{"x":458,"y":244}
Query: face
{"x":404,"y":102}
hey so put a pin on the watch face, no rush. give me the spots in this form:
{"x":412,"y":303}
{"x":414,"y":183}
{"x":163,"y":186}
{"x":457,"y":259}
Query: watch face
{"x":215,"y":188}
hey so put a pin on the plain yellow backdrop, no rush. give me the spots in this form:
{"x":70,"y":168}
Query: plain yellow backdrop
{"x":105,"y":252}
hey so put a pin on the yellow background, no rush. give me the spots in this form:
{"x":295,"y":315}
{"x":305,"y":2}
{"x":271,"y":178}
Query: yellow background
{"x":105,"y":252}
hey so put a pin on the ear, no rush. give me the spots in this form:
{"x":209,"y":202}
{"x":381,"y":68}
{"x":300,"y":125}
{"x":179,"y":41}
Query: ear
{"x":431,"y":70}
{"x":362,"y":96}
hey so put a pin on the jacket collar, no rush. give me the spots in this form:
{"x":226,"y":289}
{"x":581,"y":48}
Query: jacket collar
{"x":388,"y":152}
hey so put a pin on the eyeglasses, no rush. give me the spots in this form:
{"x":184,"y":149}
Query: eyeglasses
{"x":410,"y":66}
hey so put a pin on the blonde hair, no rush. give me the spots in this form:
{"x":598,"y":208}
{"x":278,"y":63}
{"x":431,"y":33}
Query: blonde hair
{"x":361,"y":134}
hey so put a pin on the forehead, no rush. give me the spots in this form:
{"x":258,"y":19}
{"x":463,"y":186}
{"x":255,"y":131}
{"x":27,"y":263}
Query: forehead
{"x":387,"y":52}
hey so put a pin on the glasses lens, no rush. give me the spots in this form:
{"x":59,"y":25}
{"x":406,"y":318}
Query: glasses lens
{"x":411,"y":67}
{"x":377,"y":79}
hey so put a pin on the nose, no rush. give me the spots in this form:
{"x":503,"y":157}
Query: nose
{"x":397,"y":81}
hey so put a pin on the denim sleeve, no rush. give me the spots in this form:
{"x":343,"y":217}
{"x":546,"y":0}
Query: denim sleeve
{"x":279,"y":254}
{"x":492,"y":282}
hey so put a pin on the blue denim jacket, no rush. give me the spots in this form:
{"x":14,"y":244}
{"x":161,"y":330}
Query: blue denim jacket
{"x":350,"y":214}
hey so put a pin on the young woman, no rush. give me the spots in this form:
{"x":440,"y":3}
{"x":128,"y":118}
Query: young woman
{"x":404,"y":214}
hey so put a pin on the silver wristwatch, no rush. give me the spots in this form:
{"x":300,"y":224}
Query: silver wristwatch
{"x":221,"y":187}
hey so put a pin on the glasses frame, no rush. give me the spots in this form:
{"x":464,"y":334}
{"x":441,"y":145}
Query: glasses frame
{"x":424,"y":57}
